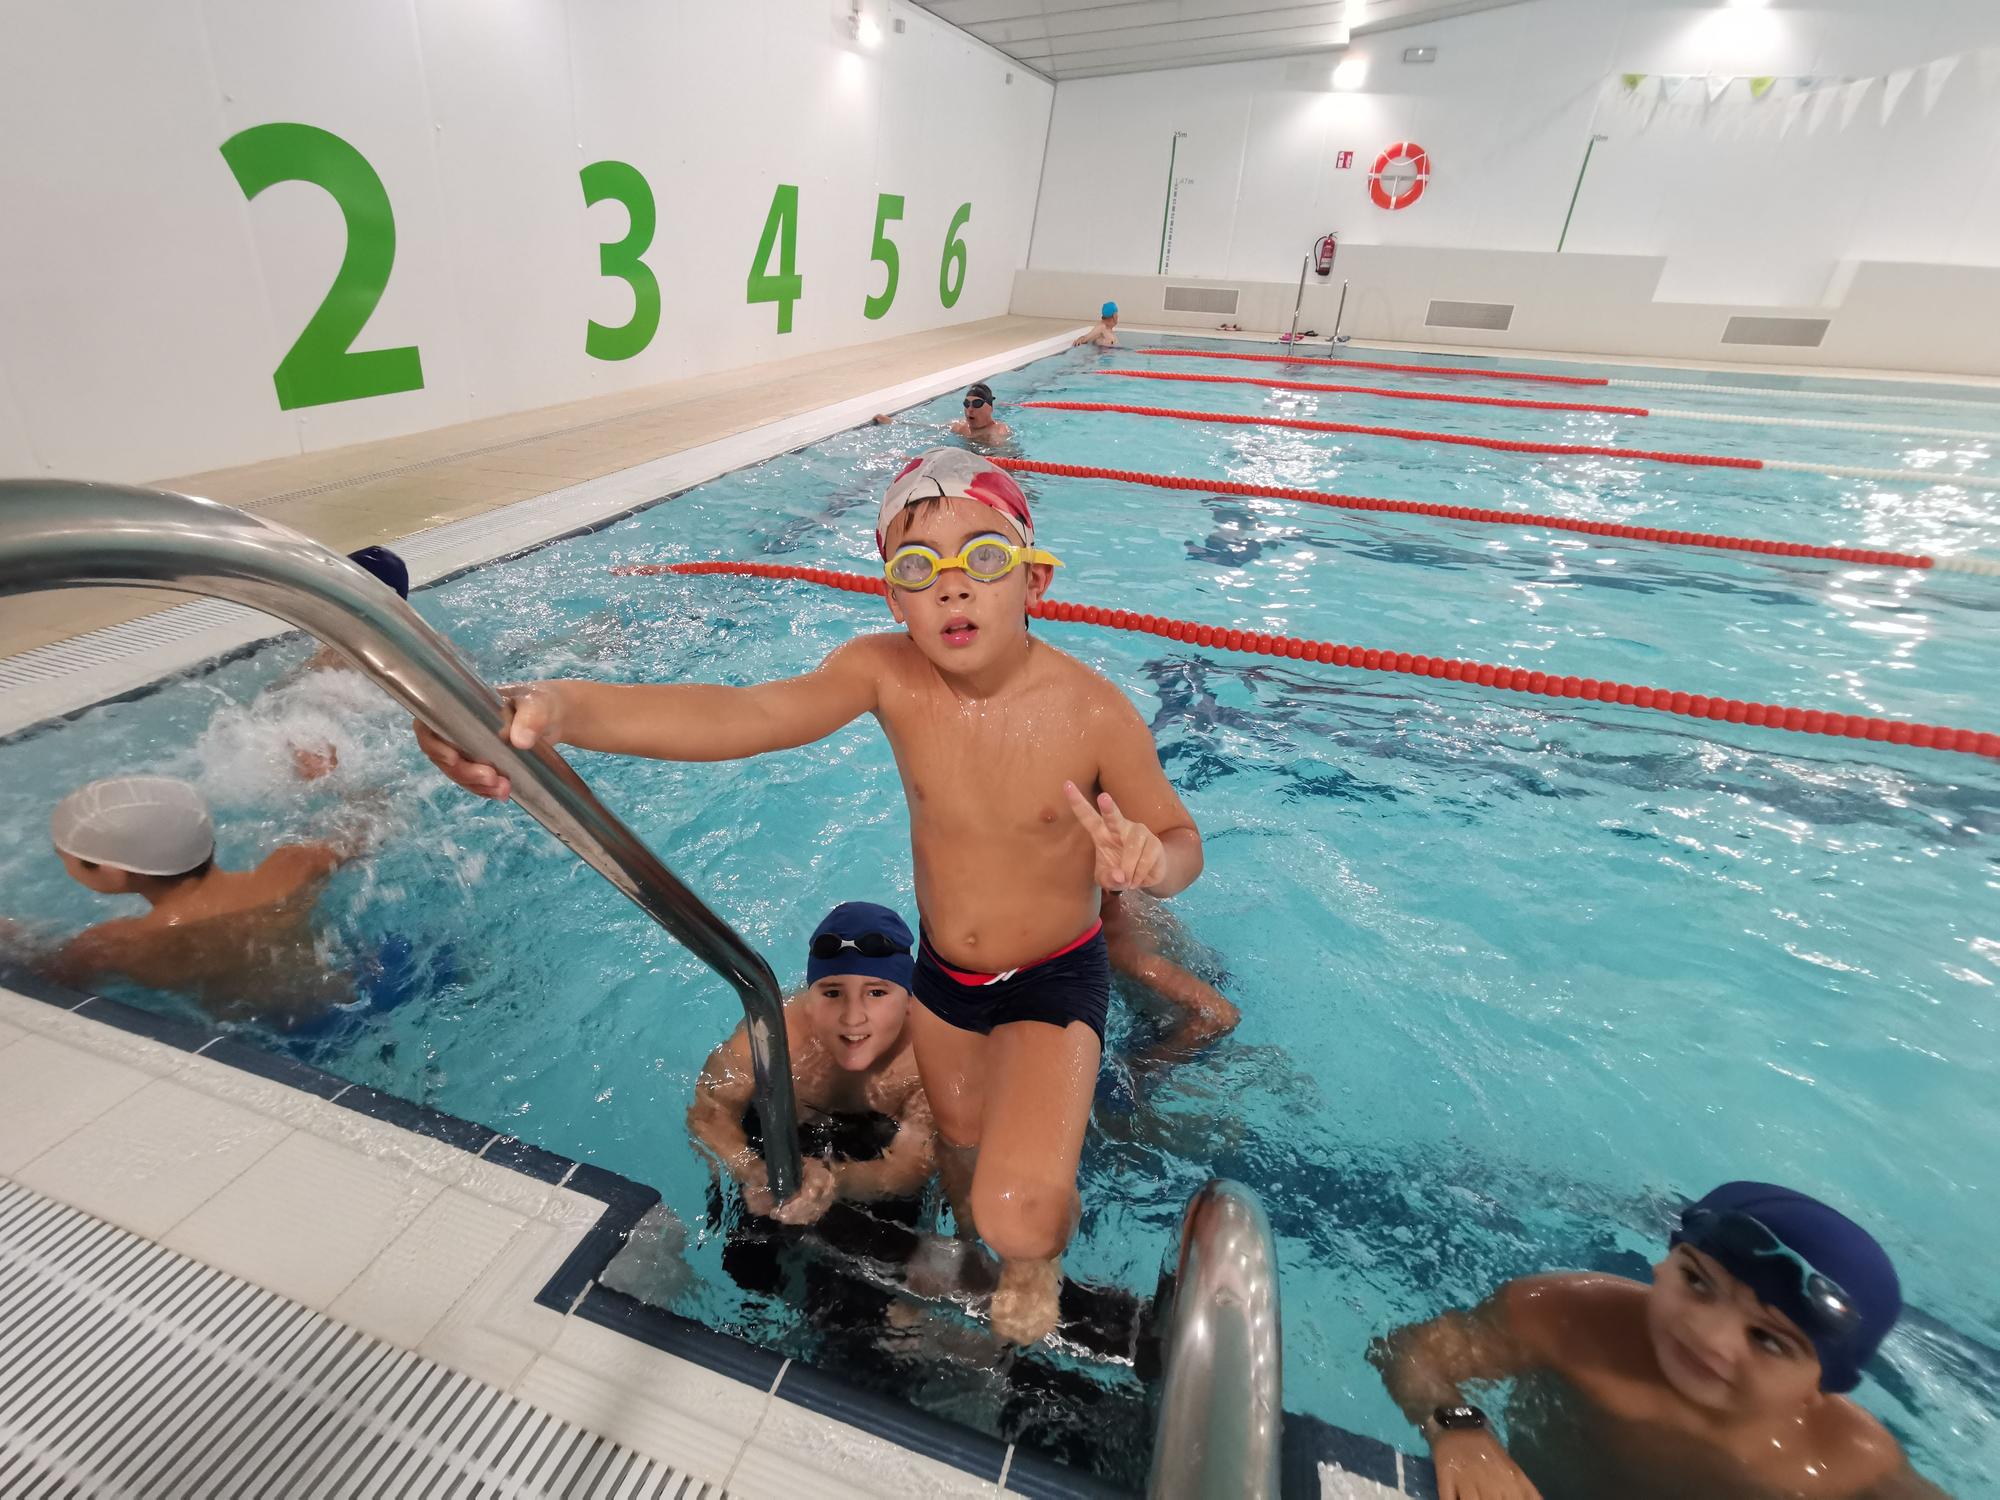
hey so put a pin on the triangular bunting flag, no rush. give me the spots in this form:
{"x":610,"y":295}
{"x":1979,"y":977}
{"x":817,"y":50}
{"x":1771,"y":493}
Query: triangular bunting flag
{"x":1795,"y":107}
{"x":1936,"y":76}
{"x":1632,"y":81}
{"x":1718,"y":86}
{"x":1850,"y":100}
{"x":1893,"y":91}
{"x":1822,"y":105}
{"x":1759,"y":87}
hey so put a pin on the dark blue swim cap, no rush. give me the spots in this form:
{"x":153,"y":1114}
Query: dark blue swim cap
{"x":841,"y":944}
{"x":1832,"y":1244}
{"x":386,"y":566}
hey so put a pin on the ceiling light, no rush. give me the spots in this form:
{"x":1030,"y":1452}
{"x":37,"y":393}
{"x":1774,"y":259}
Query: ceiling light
{"x":1351,"y":74}
{"x":1747,"y":4}
{"x":869,"y":33}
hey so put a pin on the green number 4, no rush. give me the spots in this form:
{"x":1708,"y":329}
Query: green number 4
{"x":320,"y":367}
{"x":888,"y":209}
{"x":781,"y":232}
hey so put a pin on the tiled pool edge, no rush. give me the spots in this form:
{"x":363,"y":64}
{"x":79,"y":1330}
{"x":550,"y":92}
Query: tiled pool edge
{"x":574,"y":1290}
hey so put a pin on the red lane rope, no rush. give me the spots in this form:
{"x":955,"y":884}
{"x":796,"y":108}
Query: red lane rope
{"x":1474,"y":513}
{"x":1408,"y":434}
{"x":1373,"y":390}
{"x":1364,"y":364}
{"x":1369,"y":659}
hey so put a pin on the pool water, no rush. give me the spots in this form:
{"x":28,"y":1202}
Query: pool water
{"x":1515,"y":974}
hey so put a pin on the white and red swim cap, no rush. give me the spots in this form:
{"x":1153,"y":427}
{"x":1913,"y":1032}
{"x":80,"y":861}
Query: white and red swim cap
{"x":954,"y":474}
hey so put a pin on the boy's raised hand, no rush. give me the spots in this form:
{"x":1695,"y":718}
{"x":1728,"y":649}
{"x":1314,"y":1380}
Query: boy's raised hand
{"x":534,"y":717}
{"x":1129,"y":855}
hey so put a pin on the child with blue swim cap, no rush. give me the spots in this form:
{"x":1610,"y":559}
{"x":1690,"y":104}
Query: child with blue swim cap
{"x":865,"y":1124}
{"x":1104,"y":335}
{"x":1726,"y":1377}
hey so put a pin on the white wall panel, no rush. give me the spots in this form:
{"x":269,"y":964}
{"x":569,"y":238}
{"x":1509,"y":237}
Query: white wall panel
{"x":145,"y":304}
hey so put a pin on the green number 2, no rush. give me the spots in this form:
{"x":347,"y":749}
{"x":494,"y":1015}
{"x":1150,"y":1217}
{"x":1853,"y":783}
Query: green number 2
{"x":321,"y":367}
{"x":888,"y":209}
{"x":954,"y":256}
{"x":781,"y":231}
{"x":624,"y":183}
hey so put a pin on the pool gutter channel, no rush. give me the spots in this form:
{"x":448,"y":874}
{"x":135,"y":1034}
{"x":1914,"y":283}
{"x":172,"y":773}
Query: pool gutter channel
{"x":576,"y":1291}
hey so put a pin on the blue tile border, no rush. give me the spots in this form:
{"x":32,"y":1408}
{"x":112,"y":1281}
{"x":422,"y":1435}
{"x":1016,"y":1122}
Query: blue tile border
{"x":574,"y":1289}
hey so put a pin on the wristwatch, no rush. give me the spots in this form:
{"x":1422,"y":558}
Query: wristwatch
{"x":1461,"y":1418}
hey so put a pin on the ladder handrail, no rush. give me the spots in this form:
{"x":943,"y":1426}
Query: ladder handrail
{"x":1221,"y":1393}
{"x":69,"y":534}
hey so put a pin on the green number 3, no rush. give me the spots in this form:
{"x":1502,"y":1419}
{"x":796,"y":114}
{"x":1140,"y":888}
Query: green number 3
{"x":623,"y":182}
{"x":321,"y":367}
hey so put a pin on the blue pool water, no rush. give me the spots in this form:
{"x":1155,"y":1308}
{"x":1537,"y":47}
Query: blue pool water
{"x":1515,"y":974}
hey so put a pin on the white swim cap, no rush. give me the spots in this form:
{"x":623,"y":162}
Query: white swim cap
{"x":150,"y":825}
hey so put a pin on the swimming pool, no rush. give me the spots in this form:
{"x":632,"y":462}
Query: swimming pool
{"x":1514,"y":972}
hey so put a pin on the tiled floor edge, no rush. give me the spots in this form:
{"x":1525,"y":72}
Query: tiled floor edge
{"x":604,"y":501}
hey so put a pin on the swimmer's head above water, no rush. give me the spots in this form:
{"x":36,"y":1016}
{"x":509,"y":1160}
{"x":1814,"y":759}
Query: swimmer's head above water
{"x":859,"y":970}
{"x":150,"y":827}
{"x":1766,"y":1297}
{"x":385,"y":566}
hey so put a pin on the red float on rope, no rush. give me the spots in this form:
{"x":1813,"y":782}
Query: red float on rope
{"x":1370,"y":659}
{"x":1365,"y":364}
{"x":1476,"y":514}
{"x":1410,"y":434}
{"x":1395,"y":190}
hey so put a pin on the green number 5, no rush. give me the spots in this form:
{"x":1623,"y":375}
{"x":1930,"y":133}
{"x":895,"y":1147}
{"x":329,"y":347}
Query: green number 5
{"x":321,"y":367}
{"x":949,"y":286}
{"x":888,"y":209}
{"x":624,"y":183}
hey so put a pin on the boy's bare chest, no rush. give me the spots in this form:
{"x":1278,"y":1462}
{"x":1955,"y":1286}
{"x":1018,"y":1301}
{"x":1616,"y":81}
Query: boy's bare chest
{"x":1005,"y":762}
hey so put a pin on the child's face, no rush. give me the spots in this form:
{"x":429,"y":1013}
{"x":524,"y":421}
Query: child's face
{"x":1720,"y":1347}
{"x":959,"y":623}
{"x":857,"y":1018}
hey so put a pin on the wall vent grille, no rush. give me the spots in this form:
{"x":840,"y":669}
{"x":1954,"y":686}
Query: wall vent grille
{"x":1495,"y":317}
{"x":1788,"y":333}
{"x":1202,"y":299}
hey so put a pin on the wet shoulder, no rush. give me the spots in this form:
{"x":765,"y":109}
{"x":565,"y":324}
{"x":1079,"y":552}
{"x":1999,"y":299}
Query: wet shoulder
{"x":1573,"y":1318}
{"x":287,"y":870}
{"x":1859,"y":1451}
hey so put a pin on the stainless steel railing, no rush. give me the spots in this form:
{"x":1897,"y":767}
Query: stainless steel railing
{"x":1221,"y":1399}
{"x":64,"y":534}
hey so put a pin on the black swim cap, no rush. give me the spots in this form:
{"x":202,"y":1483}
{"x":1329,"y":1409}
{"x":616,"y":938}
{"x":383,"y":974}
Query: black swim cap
{"x":386,"y":566}
{"x":981,"y":388}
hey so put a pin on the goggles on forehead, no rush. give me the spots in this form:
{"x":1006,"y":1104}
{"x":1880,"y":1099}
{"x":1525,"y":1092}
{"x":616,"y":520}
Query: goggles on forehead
{"x":986,"y":558}
{"x":868,"y":945}
{"x":1740,"y":1241}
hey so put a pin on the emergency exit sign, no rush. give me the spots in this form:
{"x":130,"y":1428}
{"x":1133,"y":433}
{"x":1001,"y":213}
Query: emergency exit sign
{"x":1343,"y":161}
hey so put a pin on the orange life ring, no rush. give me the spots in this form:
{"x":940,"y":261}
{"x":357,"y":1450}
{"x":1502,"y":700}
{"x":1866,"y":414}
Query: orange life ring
{"x":1404,"y":188}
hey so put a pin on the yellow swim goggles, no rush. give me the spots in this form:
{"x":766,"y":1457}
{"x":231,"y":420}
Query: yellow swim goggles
{"x":984,"y":557}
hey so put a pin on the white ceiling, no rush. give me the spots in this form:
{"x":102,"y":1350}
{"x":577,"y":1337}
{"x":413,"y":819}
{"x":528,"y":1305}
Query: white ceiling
{"x":1087,"y":38}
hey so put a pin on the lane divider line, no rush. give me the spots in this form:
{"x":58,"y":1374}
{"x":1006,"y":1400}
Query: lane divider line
{"x":1776,"y":393}
{"x":1511,"y":445}
{"x":1664,"y":413}
{"x":1489,"y":517}
{"x":1370,"y":659}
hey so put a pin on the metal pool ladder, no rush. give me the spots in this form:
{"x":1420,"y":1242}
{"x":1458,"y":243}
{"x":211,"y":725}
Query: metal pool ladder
{"x":1221,"y":1395}
{"x":67,"y":534}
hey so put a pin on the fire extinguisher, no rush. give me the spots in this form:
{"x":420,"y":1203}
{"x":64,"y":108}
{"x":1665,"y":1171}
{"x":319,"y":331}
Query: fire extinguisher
{"x":1323,"y":254}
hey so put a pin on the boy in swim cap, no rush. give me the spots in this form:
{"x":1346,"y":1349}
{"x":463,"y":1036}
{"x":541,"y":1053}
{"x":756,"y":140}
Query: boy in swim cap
{"x":310,"y":762}
{"x":1032,"y":786}
{"x":979,"y":423}
{"x":1105,"y":334}
{"x":1726,"y":1377}
{"x":239,"y":942}
{"x":864,"y":1123}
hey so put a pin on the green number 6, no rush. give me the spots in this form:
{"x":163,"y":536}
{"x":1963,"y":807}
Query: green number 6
{"x":954,"y":255}
{"x":320,"y":367}
{"x":625,"y":184}
{"x":888,"y":209}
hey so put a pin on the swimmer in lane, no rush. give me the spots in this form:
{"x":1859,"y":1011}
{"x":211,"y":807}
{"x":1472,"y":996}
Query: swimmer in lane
{"x":980,"y":424}
{"x":1032,"y":785}
{"x":1105,"y":334}
{"x":312,"y":761}
{"x":240,"y":942}
{"x":1725,"y":1378}
{"x":864,"y":1124}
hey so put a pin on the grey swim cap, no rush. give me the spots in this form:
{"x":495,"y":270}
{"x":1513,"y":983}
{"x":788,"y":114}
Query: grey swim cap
{"x":150,"y":825}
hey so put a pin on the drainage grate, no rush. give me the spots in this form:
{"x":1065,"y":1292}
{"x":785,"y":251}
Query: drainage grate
{"x":132,"y":1370}
{"x":1202,"y":299}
